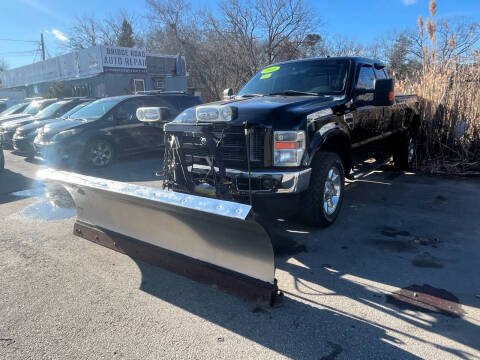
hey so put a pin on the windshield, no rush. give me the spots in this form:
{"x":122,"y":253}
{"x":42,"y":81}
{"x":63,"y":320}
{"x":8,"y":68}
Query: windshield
{"x":314,"y":76}
{"x":50,"y":110}
{"x":11,"y":110}
{"x":69,"y":113}
{"x":96,"y":109}
{"x":33,"y":107}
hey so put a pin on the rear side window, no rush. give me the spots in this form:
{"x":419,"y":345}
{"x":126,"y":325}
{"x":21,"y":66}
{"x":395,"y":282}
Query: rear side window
{"x":380,"y":74}
{"x":165,"y":101}
{"x":366,"y":78}
{"x":184,"y":102}
{"x":127,"y":111}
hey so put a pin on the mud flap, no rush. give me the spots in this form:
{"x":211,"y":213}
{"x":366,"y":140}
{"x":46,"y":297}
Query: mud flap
{"x":212,"y":241}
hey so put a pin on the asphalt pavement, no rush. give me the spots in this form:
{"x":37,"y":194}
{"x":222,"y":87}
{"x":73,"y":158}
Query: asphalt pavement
{"x":396,"y":277}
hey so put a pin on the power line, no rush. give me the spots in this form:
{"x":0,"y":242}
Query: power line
{"x":28,"y":41}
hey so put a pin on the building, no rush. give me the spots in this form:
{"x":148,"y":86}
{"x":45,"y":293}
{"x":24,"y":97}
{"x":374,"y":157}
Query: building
{"x":98,"y":71}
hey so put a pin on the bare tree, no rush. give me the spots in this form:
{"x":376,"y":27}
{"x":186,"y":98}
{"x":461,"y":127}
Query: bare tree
{"x":88,"y":31}
{"x":284,"y":21}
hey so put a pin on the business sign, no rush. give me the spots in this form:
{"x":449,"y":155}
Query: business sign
{"x":122,"y":59}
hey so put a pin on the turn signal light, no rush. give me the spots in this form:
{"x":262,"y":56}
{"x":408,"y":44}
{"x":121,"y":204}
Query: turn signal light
{"x":286,"y":145}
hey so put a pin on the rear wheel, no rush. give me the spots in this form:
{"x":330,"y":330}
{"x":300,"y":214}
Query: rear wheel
{"x":322,"y":201}
{"x":99,"y":153}
{"x":405,"y":152}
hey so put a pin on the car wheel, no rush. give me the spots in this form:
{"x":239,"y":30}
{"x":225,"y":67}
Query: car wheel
{"x":99,"y":153}
{"x":322,"y":201}
{"x":404,"y":153}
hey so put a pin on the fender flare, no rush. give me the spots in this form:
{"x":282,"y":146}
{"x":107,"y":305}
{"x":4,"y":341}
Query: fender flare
{"x":326,"y":138}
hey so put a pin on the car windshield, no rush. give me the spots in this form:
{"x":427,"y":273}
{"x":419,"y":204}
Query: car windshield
{"x":96,"y":109}
{"x":50,"y":110}
{"x":69,"y":113}
{"x":33,"y":108}
{"x":11,"y":110}
{"x":316,"y":77}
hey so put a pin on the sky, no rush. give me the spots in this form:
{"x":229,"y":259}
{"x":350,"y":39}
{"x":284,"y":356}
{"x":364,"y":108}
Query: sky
{"x":362,"y":20}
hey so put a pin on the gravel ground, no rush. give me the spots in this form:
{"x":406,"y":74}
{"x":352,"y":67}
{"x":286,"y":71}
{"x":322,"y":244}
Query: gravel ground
{"x":62,"y":297}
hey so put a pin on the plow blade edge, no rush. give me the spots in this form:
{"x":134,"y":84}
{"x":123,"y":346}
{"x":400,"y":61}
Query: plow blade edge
{"x":212,"y":241}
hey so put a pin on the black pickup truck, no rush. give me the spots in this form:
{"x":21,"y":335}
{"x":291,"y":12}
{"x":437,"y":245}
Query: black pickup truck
{"x":291,"y":135}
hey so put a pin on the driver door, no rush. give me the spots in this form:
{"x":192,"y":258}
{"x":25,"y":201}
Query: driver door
{"x":127,"y":129}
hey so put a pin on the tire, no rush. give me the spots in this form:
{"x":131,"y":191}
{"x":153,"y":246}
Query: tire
{"x":99,"y":153}
{"x":404,"y":152}
{"x":322,"y":201}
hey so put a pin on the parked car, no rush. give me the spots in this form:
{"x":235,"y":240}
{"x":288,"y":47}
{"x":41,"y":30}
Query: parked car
{"x":32,"y":109}
{"x":25,"y":135}
{"x":106,"y":129}
{"x":14,"y":109}
{"x":291,"y":135}
{"x":52,"y":111}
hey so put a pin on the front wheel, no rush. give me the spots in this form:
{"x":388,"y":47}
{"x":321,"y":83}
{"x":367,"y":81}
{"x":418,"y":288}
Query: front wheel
{"x":322,"y":201}
{"x":99,"y":153}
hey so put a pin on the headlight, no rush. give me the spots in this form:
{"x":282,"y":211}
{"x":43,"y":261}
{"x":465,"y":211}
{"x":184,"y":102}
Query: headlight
{"x":288,"y":148}
{"x":206,"y":114}
{"x":64,"y":134}
{"x":214,"y":113}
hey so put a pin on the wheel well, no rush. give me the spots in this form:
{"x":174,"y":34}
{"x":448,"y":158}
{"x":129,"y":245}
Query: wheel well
{"x":339,"y":144}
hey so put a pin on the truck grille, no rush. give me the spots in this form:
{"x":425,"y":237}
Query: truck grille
{"x":232,"y":146}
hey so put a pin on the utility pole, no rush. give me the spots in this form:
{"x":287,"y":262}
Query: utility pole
{"x":42,"y":44}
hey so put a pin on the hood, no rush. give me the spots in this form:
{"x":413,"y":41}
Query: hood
{"x":50,"y":130}
{"x":13,"y":124}
{"x":283,"y":110}
{"x":25,"y":129}
{"x":4,"y":119}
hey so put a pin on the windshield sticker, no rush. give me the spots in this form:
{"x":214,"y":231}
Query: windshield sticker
{"x":265,"y":76}
{"x":270,"y":69}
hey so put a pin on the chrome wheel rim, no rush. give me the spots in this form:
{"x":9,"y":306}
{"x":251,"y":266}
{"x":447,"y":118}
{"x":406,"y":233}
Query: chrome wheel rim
{"x":332,"y":190}
{"x":101,"y":154}
{"x":411,"y":150}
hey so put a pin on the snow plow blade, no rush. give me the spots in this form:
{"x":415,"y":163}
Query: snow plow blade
{"x":211,"y":241}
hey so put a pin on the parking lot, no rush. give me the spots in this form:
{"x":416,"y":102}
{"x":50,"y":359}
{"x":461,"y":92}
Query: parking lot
{"x":396,"y":277}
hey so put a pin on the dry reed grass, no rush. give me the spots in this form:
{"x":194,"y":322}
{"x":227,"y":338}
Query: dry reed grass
{"x":449,"y":103}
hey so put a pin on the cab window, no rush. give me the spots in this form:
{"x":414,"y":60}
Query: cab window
{"x":380,"y":73}
{"x":366,"y":78}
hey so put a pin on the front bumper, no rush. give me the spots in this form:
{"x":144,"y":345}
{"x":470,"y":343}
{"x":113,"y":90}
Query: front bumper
{"x":23,"y":144}
{"x":55,"y":153}
{"x":263,"y":182}
{"x":6,"y":137}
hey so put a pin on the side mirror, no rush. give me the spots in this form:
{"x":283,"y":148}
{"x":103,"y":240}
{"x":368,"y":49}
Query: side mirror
{"x":153,"y":114}
{"x":384,"y":94}
{"x":227,"y":94}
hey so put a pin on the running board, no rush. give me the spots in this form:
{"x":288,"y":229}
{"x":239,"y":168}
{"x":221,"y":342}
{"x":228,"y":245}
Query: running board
{"x":365,"y":168}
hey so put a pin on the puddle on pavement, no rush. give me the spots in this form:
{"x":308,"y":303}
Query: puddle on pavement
{"x":427,"y":299}
{"x":53,"y":203}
